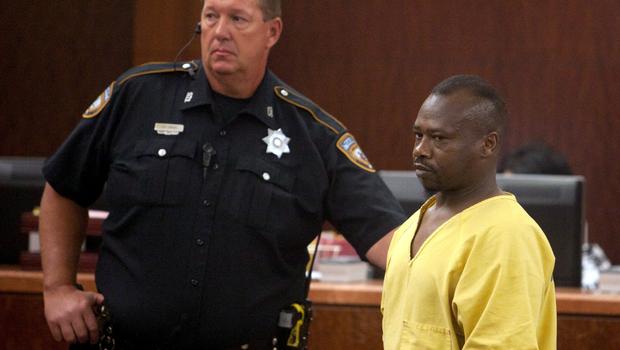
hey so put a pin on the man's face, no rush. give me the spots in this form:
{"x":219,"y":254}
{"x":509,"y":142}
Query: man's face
{"x":446,"y":150}
{"x":235,"y":38}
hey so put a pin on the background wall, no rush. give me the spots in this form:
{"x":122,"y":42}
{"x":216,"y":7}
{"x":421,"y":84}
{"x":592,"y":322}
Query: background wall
{"x":556,"y":63}
{"x":56,"y":57}
{"x":370,"y":65}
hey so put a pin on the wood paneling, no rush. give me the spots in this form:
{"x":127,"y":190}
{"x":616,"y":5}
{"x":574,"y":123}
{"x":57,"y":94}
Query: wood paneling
{"x":556,"y":62}
{"x":356,"y":327}
{"x":23,"y":324}
{"x":57,"y":57}
{"x":585,"y":332}
{"x":370,"y":64}
{"x":161,"y":28}
{"x":338,"y":327}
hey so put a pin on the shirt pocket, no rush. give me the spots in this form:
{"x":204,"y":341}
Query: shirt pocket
{"x":156,"y":173}
{"x":424,"y":337}
{"x":264,"y":183}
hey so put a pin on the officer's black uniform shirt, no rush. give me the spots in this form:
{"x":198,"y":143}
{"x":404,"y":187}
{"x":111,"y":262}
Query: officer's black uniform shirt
{"x":207,"y":232}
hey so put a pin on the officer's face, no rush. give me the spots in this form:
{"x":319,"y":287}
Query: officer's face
{"x":235,"y":39}
{"x":446,"y":152}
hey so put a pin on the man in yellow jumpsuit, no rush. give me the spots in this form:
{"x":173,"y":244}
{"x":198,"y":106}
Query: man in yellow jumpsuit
{"x":470,"y":269}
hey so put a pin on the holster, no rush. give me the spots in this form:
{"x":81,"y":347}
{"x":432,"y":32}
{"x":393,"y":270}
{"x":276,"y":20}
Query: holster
{"x":294,"y":326}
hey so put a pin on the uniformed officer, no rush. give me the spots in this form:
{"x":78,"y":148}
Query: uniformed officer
{"x":217,"y":175}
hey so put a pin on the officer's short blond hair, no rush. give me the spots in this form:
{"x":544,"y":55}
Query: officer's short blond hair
{"x":270,"y":8}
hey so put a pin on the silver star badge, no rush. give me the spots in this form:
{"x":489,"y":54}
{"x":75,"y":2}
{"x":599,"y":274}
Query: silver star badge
{"x":277,"y":142}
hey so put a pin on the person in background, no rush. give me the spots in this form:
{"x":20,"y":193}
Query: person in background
{"x":470,"y":269}
{"x":535,"y":158}
{"x":217,"y":175}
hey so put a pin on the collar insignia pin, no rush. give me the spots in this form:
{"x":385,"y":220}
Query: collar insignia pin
{"x":270,"y":111}
{"x":277,"y":142}
{"x":188,"y":97}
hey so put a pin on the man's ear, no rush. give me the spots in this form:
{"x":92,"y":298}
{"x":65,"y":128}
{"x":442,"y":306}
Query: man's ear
{"x":490,"y":144}
{"x":275,"y":30}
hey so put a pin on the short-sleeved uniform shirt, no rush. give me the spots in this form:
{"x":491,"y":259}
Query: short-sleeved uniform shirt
{"x":482,"y":280}
{"x":210,"y":214}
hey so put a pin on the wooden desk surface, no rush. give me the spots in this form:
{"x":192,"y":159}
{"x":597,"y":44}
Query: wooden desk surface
{"x":569,"y":300}
{"x":14,"y":280}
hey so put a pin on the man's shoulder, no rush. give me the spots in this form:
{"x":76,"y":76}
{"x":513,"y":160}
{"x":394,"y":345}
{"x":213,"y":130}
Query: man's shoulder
{"x":293,"y":97}
{"x":188,"y":67}
{"x":153,"y":68}
{"x":501,"y":213}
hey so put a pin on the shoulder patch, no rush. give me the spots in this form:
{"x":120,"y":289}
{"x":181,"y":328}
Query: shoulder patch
{"x":100,"y":102}
{"x":349,"y":147}
{"x":293,"y":97}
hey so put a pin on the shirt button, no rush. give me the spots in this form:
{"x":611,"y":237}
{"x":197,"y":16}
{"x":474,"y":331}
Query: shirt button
{"x":216,"y":166}
{"x":194,"y":282}
{"x":222,"y":132}
{"x":162,"y":152}
{"x":200,"y":242}
{"x":266,"y":176}
{"x":206,"y":203}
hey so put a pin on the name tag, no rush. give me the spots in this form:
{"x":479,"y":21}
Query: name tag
{"x":169,"y":129}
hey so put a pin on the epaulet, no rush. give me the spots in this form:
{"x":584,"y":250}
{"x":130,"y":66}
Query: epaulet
{"x":346,"y":142}
{"x":189,"y":67}
{"x":293,"y":97}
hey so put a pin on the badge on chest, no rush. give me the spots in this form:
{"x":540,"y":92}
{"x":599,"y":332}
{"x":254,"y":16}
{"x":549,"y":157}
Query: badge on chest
{"x":277,"y":142}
